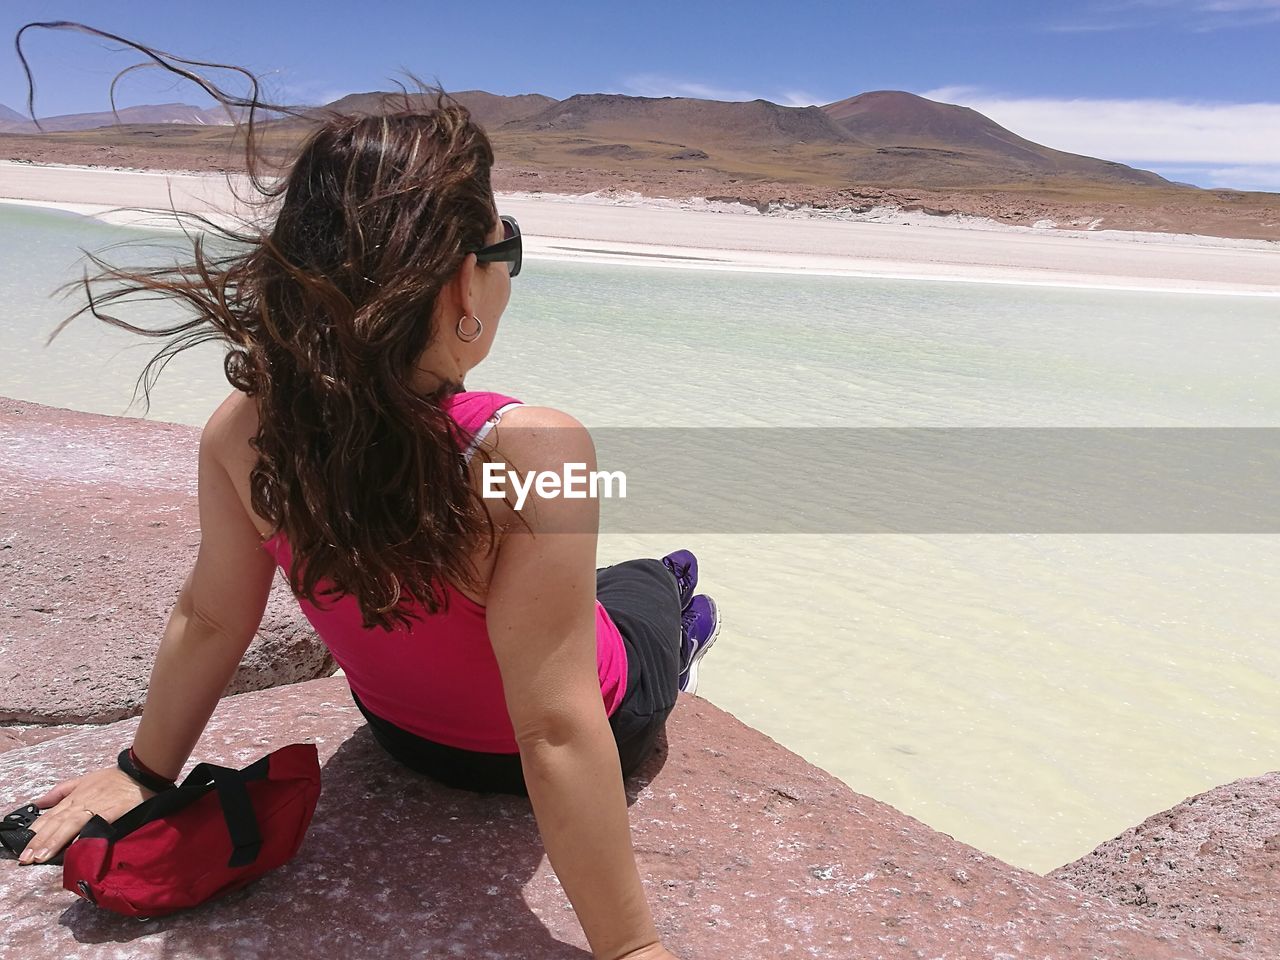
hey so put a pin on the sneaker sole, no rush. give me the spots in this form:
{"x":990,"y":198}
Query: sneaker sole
{"x":691,"y":683}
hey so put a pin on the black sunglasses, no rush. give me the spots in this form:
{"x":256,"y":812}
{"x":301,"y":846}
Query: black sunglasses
{"x":509,"y":248}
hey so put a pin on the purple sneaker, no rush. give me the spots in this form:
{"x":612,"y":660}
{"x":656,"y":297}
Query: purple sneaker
{"x":699,"y":627}
{"x":684,"y":566}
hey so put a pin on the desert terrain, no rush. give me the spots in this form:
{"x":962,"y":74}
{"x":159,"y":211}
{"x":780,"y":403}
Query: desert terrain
{"x":877,"y":149}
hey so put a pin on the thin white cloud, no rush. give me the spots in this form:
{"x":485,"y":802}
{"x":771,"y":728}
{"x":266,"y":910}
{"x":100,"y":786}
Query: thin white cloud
{"x":798,"y":98}
{"x":657,"y":85}
{"x":1247,"y":178}
{"x":1239,"y":6}
{"x":1196,"y":16}
{"x":1221,"y":137}
{"x":280,"y":86}
{"x":1237,"y":178}
{"x":1195,"y":6}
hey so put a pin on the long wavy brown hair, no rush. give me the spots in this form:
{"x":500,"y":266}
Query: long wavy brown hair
{"x":326,"y":307}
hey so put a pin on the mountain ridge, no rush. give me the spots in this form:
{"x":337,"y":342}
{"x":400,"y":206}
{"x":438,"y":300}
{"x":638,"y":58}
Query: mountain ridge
{"x":176,"y":113}
{"x":881,"y":148}
{"x":684,"y":117}
{"x":877,"y":137}
{"x":488,"y":109}
{"x":894,"y":119}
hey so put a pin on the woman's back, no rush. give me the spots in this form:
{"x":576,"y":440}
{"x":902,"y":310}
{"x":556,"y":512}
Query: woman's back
{"x":439,"y":678}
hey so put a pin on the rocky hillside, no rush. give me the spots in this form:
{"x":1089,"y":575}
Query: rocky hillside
{"x":489,"y":109}
{"x":875,"y":149}
{"x":177,"y":113}
{"x":928,"y":141}
{"x":754,"y":123}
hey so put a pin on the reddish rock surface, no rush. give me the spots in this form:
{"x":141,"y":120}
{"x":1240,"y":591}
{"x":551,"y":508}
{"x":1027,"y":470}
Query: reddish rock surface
{"x":98,"y":530}
{"x":1212,"y":864}
{"x":24,"y":735}
{"x":746,"y":851}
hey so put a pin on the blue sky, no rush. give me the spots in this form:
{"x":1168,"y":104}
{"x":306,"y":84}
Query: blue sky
{"x":1189,"y":88}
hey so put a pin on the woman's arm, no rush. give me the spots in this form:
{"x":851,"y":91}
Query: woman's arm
{"x":541,"y":620}
{"x":214,"y":620}
{"x":217,"y":613}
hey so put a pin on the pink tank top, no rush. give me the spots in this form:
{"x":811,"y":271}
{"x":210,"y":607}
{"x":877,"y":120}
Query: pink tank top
{"x":439,"y":678}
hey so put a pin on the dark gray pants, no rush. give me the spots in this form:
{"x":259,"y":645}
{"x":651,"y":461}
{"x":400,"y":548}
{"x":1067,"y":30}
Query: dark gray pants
{"x":643,"y":600}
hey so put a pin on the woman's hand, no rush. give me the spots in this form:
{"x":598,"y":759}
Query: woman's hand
{"x":109,"y":793}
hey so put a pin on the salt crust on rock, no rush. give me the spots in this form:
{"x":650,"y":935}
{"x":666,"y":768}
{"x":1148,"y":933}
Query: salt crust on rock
{"x":98,"y":529}
{"x":746,"y":851}
{"x":1211,"y":863}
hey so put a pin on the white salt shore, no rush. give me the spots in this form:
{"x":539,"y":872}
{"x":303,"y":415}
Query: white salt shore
{"x":610,"y":227}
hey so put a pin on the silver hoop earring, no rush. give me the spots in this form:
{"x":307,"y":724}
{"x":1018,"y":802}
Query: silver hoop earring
{"x":469,"y":337}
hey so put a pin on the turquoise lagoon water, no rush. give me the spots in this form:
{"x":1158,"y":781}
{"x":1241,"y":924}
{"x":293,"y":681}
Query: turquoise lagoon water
{"x":1030,"y":694}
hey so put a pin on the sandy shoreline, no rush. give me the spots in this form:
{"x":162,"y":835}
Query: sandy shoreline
{"x":689,"y":235}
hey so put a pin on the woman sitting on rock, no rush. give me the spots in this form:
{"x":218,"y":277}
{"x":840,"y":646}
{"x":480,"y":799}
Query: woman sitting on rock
{"x":480,"y":642}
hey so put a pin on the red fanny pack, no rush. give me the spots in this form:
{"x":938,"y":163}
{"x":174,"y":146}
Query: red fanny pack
{"x":217,"y":831}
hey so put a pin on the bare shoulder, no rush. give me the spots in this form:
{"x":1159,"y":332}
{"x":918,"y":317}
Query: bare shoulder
{"x":528,"y":415}
{"x":229,"y":429}
{"x":540,"y":437}
{"x":225,"y":442}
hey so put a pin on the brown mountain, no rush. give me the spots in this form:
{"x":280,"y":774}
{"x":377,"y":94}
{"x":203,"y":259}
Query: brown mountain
{"x":882,"y":138}
{"x":885,"y":148}
{"x":941,"y":142}
{"x":182,"y":113}
{"x":664,"y":119}
{"x":489,"y":109}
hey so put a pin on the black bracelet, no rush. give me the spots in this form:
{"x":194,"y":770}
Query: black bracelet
{"x":150,"y":781}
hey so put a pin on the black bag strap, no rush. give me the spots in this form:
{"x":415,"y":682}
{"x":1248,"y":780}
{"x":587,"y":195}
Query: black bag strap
{"x":237,"y":811}
{"x":233,"y":798}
